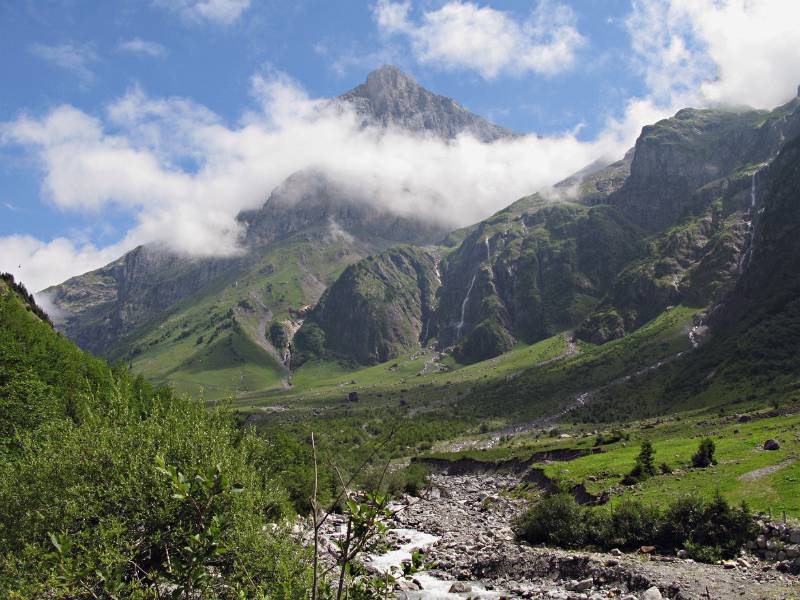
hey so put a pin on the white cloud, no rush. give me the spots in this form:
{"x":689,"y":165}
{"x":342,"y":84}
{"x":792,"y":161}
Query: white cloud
{"x":70,"y":57}
{"x":718,"y":51}
{"x":40,"y":264}
{"x":218,"y":12}
{"x":184,"y":175}
{"x":464,"y":35}
{"x":143,"y":47}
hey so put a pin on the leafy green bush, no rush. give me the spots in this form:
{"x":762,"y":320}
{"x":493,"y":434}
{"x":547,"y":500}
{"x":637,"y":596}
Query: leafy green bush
{"x":109,"y":488}
{"x":708,"y":529}
{"x":555,"y":520}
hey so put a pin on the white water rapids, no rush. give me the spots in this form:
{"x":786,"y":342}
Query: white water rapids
{"x":432,"y":586}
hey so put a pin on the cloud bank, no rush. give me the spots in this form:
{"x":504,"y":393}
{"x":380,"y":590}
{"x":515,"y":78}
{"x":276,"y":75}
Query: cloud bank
{"x":464,"y":35}
{"x":183,"y":173}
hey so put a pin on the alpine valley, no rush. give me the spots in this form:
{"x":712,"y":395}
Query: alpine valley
{"x":509,"y":384}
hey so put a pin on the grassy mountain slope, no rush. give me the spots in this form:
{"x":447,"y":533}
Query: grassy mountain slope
{"x":377,"y":309}
{"x":80,"y":444}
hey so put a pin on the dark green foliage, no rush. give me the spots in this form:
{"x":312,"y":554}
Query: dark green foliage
{"x":487,"y":340}
{"x":704,"y":456}
{"x":278,"y":336}
{"x":410,"y":480}
{"x":556,"y":520}
{"x":376,"y":309}
{"x":89,"y":509}
{"x":709,"y":529}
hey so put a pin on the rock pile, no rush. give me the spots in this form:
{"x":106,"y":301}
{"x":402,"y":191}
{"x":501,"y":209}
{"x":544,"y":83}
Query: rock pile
{"x":779,"y":542}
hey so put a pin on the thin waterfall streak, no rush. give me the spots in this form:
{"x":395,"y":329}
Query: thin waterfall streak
{"x":460,"y":324}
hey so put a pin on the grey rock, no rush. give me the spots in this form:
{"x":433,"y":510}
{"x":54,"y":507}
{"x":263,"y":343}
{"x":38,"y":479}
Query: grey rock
{"x":389,"y":97}
{"x":652,"y":593}
{"x":460,"y":587}
{"x":580,"y":586}
{"x":771,"y":445}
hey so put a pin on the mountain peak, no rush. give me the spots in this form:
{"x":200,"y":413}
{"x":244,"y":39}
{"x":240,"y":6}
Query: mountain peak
{"x":390,"y":97}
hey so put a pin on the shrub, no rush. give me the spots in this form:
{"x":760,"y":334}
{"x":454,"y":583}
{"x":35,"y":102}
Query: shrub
{"x":709,"y":530}
{"x":704,"y":456}
{"x":556,"y":520}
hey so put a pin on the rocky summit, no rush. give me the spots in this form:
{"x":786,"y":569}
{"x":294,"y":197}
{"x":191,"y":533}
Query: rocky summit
{"x":390,"y":97}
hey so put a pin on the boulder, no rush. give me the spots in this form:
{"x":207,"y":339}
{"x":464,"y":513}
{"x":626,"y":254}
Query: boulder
{"x":580,"y":586}
{"x":460,"y":587}
{"x":652,"y":593}
{"x":771,"y":445}
{"x":352,"y":397}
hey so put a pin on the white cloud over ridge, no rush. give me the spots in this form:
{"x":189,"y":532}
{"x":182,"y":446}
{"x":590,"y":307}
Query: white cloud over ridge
{"x":464,"y":35}
{"x":185,"y":175}
{"x":706,"y":52}
{"x":218,"y":12}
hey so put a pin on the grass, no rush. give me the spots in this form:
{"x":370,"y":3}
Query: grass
{"x":214,"y":341}
{"x":739,"y":451}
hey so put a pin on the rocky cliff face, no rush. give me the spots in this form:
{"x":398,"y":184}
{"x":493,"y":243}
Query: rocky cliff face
{"x":691,"y":178}
{"x":100,"y":306}
{"x":530,"y":277}
{"x":313,"y":199}
{"x":378,"y":308}
{"x":675,"y":157}
{"x":389,"y":97}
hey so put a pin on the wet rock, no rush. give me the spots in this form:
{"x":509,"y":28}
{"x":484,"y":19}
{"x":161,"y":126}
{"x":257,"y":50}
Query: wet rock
{"x":460,"y":587}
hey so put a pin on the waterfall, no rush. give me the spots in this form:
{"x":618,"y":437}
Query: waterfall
{"x":460,"y":324}
{"x":743,"y":262}
{"x":488,"y":250}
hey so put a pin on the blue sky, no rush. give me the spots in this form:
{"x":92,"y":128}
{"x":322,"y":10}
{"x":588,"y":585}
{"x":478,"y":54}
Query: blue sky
{"x":120,"y":118}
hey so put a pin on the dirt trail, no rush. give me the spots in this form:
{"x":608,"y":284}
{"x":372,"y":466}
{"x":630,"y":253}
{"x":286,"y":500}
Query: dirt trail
{"x":764,"y":471}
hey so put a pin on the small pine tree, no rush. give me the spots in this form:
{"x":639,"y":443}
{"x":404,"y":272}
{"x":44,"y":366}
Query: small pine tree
{"x":704,"y":456}
{"x":645,"y":465}
{"x":645,"y":460}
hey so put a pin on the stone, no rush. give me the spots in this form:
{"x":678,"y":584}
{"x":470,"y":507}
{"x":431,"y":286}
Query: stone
{"x":647,"y":550}
{"x":771,"y":444}
{"x":794,"y":536}
{"x":743,"y":563}
{"x":580,"y":586}
{"x":744,"y":418}
{"x":683,"y":553}
{"x":652,"y":593}
{"x":729,"y":564}
{"x":615,"y":552}
{"x":460,"y":587}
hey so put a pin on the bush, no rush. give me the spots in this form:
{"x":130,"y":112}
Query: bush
{"x":709,"y":530}
{"x":704,"y":456}
{"x":556,"y":520}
